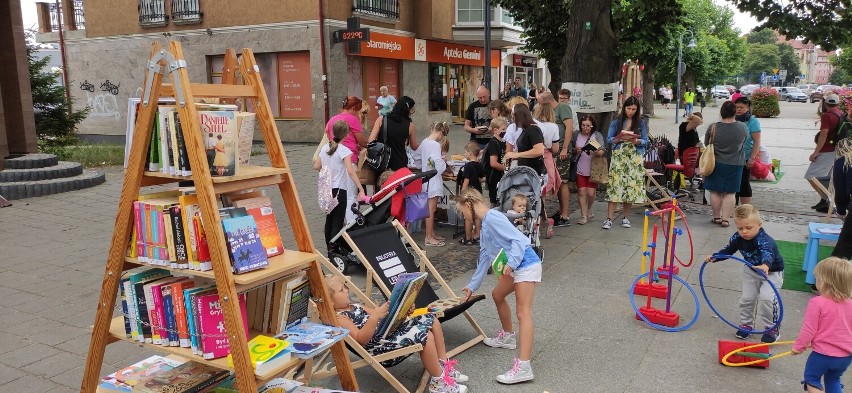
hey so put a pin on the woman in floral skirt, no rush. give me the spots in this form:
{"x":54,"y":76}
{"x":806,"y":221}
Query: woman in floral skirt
{"x":628,"y":139}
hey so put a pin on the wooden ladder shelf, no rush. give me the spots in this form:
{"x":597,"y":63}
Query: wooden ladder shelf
{"x":108,"y":329}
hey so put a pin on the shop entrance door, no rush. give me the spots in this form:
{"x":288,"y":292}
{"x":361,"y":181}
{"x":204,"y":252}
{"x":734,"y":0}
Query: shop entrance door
{"x":456,"y":92}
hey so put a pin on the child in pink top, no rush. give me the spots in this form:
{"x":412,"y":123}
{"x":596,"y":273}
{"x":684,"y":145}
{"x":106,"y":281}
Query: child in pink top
{"x":827,"y":327}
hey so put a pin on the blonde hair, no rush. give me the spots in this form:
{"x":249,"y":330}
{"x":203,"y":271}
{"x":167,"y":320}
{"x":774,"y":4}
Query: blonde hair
{"x":339,"y":130}
{"x":440,"y":126}
{"x":470,"y":195}
{"x":517,"y":100}
{"x":747,"y":211}
{"x":834,"y":278}
{"x":544,"y":112}
{"x":473,"y":148}
{"x":520,"y":198}
{"x":498,"y":123}
{"x":844,"y":149}
{"x":445,"y":145}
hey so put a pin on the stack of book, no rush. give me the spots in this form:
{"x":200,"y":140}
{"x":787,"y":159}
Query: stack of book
{"x":157,"y":374}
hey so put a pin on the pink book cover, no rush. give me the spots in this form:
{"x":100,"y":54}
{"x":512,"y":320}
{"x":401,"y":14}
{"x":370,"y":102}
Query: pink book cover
{"x":157,"y":293}
{"x":161,"y":242}
{"x":140,"y":234}
{"x":214,"y":337}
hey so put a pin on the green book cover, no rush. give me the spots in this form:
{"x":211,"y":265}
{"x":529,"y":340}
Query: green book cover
{"x":499,"y":263}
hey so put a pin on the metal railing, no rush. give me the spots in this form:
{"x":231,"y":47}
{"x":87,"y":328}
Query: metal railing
{"x":79,"y":19}
{"x":381,"y":8}
{"x":55,"y":17}
{"x":186,"y":11}
{"x":152,"y":13}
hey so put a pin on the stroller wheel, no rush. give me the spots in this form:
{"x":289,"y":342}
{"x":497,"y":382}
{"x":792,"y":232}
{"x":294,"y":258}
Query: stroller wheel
{"x":340,"y":262}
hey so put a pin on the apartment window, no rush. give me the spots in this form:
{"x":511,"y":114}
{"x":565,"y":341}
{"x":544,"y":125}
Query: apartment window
{"x":152,"y":13}
{"x":382,"y":8}
{"x":79,"y":21}
{"x":506,"y":18}
{"x":469,"y":11}
{"x":185,"y":12}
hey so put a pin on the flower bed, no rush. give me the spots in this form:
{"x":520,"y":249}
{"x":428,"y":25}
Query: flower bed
{"x":764,"y":102}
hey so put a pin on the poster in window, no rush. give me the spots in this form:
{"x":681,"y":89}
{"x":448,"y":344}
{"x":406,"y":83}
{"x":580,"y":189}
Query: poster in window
{"x":390,"y":76}
{"x":372,"y":81}
{"x":294,"y":85}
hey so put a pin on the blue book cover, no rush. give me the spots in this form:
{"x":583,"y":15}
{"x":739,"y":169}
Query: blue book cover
{"x":124,"y":309}
{"x":247,"y":252}
{"x":171,"y":325}
{"x":398,"y":291}
{"x":307,"y":339}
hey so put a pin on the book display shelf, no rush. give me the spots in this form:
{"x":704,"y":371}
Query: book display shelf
{"x":107,"y":329}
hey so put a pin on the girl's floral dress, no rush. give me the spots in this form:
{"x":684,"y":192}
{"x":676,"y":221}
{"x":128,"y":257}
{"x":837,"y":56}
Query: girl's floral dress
{"x":412,"y":331}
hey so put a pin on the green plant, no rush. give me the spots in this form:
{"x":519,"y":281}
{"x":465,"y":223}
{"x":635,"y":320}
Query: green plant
{"x":56,"y":124}
{"x":90,"y":155}
{"x":764,"y":102}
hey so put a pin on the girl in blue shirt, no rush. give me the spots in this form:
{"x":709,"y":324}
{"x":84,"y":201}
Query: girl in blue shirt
{"x":520,"y":275}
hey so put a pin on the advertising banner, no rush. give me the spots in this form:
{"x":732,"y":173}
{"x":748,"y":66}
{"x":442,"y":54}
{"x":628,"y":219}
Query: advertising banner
{"x":593,"y":97}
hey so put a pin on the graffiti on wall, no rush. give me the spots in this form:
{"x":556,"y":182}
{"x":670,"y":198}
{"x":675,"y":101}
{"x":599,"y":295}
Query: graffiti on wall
{"x":87,"y":86}
{"x":103,"y":105}
{"x":108,"y":86}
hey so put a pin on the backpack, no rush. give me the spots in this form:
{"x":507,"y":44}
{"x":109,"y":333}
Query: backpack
{"x":842,"y":131}
{"x":327,"y":200}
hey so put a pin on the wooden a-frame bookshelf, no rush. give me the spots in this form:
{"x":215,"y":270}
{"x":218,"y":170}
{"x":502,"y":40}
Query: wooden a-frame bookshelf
{"x":108,"y":329}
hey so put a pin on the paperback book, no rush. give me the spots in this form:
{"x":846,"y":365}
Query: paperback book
{"x":244,"y":244}
{"x":499,"y":263}
{"x":219,"y":130}
{"x":307,"y":339}
{"x":187,"y":377}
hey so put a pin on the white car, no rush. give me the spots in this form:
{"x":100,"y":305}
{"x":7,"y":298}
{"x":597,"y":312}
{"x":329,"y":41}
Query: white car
{"x":791,"y":94}
{"x":720,"y":92}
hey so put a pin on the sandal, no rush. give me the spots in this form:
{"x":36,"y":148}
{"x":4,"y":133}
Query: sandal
{"x":591,"y":217}
{"x":434,"y":243}
{"x":475,"y":240}
{"x":725,"y":224}
{"x":583,"y":221}
{"x":440,"y":238}
{"x":717,"y":220}
{"x":465,"y":241}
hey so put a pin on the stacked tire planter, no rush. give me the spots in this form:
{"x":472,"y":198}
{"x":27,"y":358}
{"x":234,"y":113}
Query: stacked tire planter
{"x":33,"y":175}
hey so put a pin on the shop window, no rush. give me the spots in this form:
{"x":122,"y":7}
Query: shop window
{"x":437,"y":87}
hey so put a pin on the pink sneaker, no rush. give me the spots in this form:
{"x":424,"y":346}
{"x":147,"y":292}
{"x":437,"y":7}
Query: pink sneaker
{"x":549,"y":233}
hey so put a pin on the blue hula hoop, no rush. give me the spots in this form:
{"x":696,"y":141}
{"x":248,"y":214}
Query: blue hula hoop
{"x":662,"y":327}
{"x":774,"y":289}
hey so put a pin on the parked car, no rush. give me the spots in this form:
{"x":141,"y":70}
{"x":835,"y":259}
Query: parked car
{"x":720,"y":92}
{"x":791,"y":94}
{"x":820,"y":91}
{"x":808,"y":88}
{"x":747,"y":89}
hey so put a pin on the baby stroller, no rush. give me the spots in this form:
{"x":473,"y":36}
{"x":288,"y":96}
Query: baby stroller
{"x":526,"y":181}
{"x":380,"y":208}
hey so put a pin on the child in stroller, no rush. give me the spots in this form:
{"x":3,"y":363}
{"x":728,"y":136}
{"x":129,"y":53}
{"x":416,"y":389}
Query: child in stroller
{"x":518,"y":213}
{"x":524,"y":181}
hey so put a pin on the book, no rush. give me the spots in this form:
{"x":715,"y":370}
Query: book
{"x":499,"y":263}
{"x":591,"y":145}
{"x":308,"y":339}
{"x":246,"y":122}
{"x":124,"y":287}
{"x":185,"y":378}
{"x":178,"y":234}
{"x":398,"y":315}
{"x":189,"y":296}
{"x":211,"y":319}
{"x":267,"y":226}
{"x":219,"y":131}
{"x":180,"y":154}
{"x":179,"y":305}
{"x":244,"y":245}
{"x":297,"y":307}
{"x":397,"y":292}
{"x":133,"y":374}
{"x":137,"y":303}
{"x":286,"y":294}
{"x":627,"y":134}
{"x":266,"y":353}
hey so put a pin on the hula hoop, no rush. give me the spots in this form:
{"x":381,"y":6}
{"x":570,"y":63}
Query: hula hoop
{"x":662,"y":327}
{"x":688,"y":234}
{"x":774,"y":289}
{"x":753,"y":362}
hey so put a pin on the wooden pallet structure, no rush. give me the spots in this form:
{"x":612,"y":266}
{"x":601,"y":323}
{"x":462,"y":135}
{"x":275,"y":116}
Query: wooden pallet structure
{"x":108,"y":329}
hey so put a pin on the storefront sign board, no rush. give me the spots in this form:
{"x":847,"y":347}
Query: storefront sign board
{"x":593,"y":97}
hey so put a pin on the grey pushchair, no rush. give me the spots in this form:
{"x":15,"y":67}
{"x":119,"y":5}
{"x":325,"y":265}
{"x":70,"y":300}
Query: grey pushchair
{"x":526,"y":181}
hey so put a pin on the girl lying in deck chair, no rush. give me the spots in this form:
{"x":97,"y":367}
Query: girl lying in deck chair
{"x":423,"y":329}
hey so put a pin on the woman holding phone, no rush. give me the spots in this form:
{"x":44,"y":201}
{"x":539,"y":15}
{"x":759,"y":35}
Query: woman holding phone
{"x":628,"y":139}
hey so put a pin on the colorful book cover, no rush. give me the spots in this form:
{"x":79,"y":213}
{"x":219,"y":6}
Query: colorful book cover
{"x":499,"y":263}
{"x":154,"y":304}
{"x":204,"y":262}
{"x":192,"y":315}
{"x":397,"y":316}
{"x":267,"y":226}
{"x":297,"y":311}
{"x":179,"y":306}
{"x":188,"y":377}
{"x":219,"y":131}
{"x":307,"y":338}
{"x":138,"y":304}
{"x":396,"y":296}
{"x":123,"y":288}
{"x":133,"y":374}
{"x":266,"y":353}
{"x":130,"y":314}
{"x":138,"y":238}
{"x":244,"y":245}
{"x":214,"y":336}
{"x":164,"y":309}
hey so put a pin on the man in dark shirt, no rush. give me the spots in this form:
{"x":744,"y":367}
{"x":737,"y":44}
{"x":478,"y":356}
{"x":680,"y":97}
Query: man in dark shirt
{"x":518,"y":90}
{"x":822,"y":159}
{"x":477,"y":118}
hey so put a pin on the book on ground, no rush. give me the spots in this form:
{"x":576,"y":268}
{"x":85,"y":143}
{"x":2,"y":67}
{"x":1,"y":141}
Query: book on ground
{"x":126,"y":378}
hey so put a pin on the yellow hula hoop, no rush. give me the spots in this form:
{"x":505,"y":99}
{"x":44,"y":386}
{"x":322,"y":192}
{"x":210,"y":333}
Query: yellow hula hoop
{"x":753,"y":362}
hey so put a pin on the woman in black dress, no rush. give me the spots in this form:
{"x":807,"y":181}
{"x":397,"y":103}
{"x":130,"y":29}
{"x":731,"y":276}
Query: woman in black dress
{"x":400,"y":132}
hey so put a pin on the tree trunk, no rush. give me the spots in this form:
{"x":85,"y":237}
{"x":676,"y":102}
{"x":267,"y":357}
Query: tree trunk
{"x":591,"y":55}
{"x":648,"y":89}
{"x":555,"y":68}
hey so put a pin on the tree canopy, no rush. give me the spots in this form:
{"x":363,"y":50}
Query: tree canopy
{"x":823,"y":22}
{"x":761,"y":36}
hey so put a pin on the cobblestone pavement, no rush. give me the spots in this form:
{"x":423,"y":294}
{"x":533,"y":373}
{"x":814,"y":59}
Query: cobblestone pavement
{"x":53,"y":249}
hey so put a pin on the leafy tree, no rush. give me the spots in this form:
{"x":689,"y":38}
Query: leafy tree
{"x":788,"y":60}
{"x":761,"y":58}
{"x":839,"y":77}
{"x":761,"y":36}
{"x":55,"y":123}
{"x":842,"y":61}
{"x":824,"y":22}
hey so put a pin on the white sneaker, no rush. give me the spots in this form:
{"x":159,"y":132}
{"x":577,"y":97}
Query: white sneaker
{"x":520,"y":372}
{"x":445,"y":385}
{"x":449,"y":367}
{"x":504,"y":339}
{"x":607,"y":224}
{"x":625,"y":223}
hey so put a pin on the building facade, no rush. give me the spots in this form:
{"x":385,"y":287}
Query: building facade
{"x":815,"y":66}
{"x":431,"y":51}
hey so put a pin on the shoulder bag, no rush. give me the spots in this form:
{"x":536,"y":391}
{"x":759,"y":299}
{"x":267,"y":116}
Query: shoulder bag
{"x":378,"y":153}
{"x":600,"y":170}
{"x":417,"y":205}
{"x":707,"y":162}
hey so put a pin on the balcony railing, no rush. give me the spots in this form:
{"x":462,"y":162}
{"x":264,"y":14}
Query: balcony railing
{"x":382,"y":8}
{"x":185,"y":12}
{"x":56,"y":18}
{"x":152,"y":13}
{"x":79,"y":20}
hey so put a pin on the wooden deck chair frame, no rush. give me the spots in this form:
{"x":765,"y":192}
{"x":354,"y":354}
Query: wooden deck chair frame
{"x":318,"y":367}
{"x":816,"y":184}
{"x":651,"y":183}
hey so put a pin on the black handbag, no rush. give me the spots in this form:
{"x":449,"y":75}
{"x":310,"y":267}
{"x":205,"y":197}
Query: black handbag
{"x":378,"y":153}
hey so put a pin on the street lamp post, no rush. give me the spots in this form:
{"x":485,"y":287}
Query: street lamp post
{"x":680,"y":69}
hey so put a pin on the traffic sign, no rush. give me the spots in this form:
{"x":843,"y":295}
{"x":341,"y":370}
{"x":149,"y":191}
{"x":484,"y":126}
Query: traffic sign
{"x":774,"y":77}
{"x":782,"y":74}
{"x":682,"y":68}
{"x":775,"y":71}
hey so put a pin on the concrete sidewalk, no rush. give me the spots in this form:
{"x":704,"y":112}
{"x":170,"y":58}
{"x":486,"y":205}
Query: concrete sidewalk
{"x":53,"y":250}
